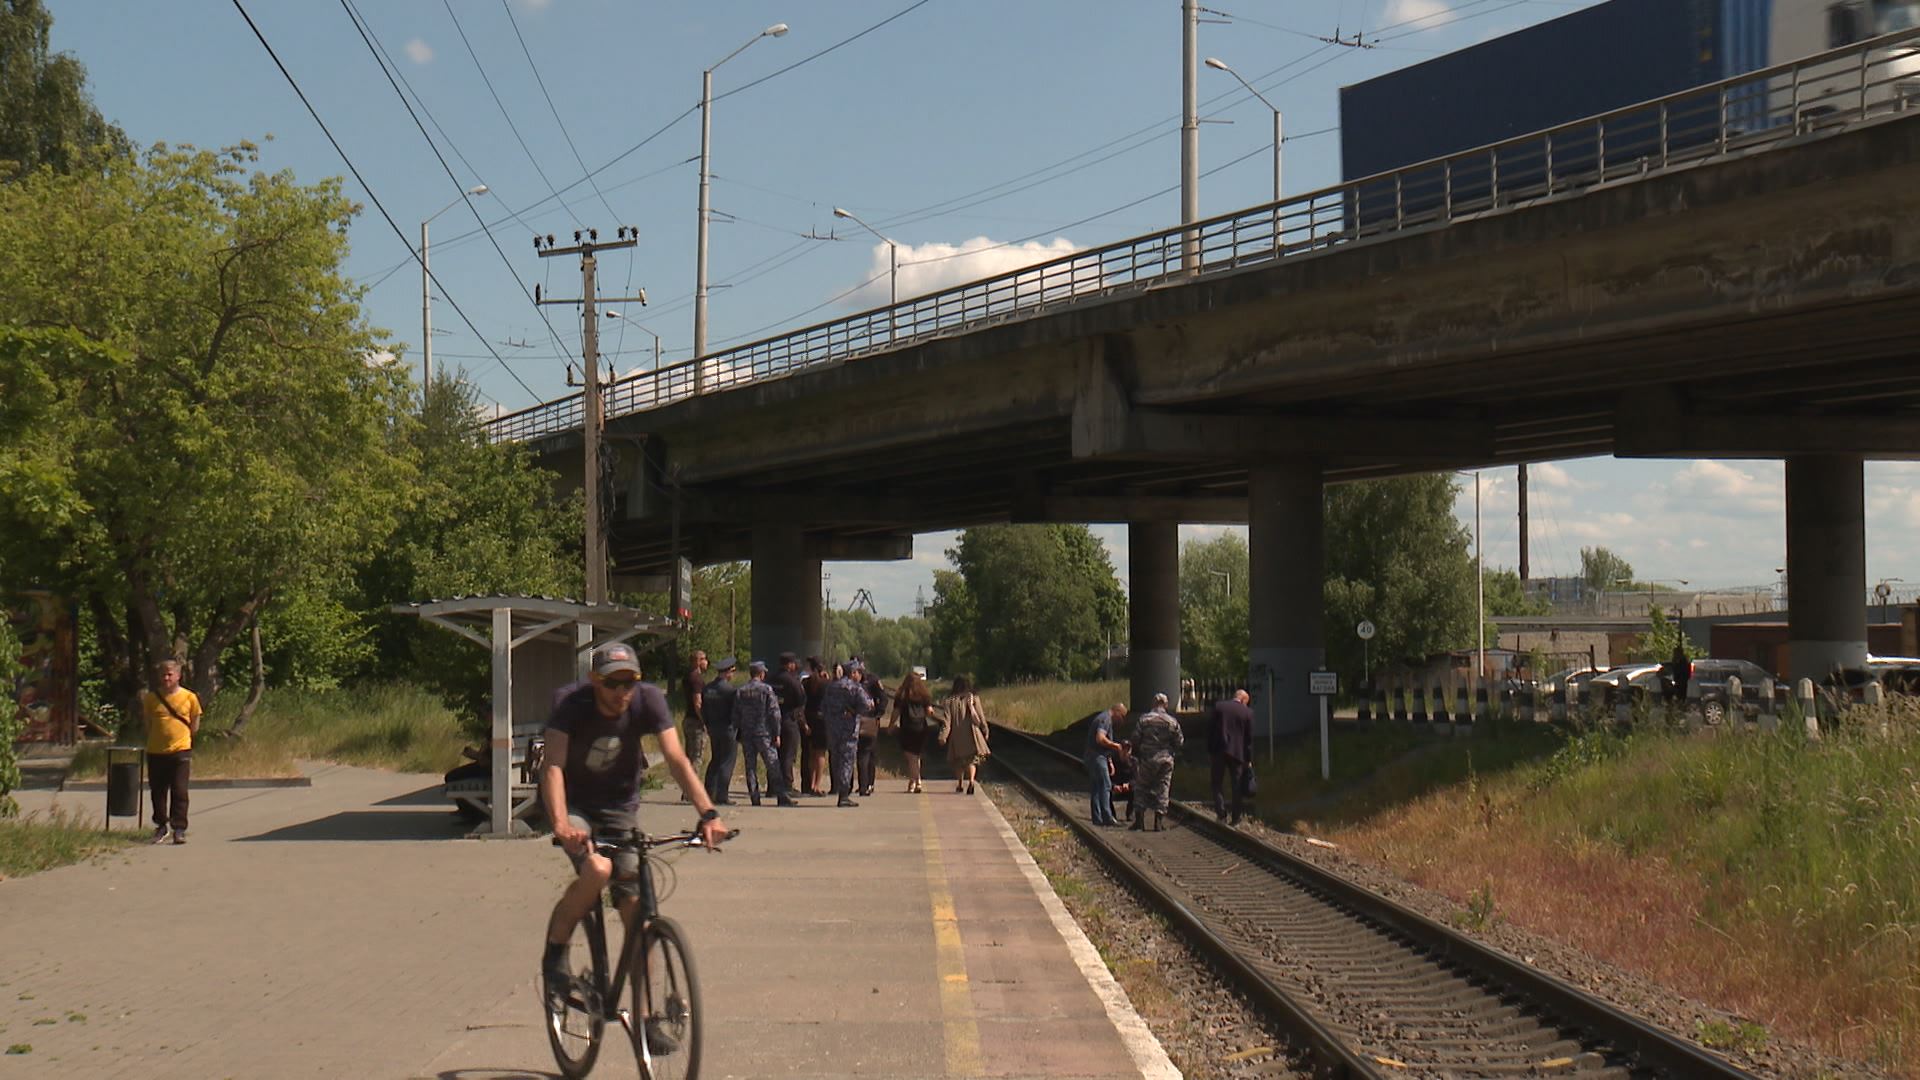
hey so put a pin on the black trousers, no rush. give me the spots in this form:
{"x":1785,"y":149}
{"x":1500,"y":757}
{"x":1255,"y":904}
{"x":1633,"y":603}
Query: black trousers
{"x":725,"y":745}
{"x":1229,"y":772}
{"x":167,"y":778}
{"x":863,"y":761}
{"x":789,"y":751}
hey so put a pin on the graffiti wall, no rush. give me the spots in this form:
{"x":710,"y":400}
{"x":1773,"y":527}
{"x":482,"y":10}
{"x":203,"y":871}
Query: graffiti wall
{"x":45,"y":695}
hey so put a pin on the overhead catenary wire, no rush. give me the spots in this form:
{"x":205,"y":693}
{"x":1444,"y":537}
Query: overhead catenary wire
{"x":487,"y":80}
{"x":364,"y":186}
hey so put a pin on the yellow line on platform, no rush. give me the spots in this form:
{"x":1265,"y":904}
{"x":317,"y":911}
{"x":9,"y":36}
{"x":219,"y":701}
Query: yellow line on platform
{"x":950,"y":958}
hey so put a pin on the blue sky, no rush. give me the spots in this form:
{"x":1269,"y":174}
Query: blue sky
{"x":957,"y":124}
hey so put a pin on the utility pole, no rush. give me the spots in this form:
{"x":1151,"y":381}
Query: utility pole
{"x":591,"y":418}
{"x":1523,"y":523}
{"x":1190,"y":132}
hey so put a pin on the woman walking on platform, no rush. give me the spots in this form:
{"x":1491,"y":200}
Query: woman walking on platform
{"x":967,"y":737}
{"x":912,"y":705}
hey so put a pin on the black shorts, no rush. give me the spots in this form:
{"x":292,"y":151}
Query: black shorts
{"x":610,"y":824}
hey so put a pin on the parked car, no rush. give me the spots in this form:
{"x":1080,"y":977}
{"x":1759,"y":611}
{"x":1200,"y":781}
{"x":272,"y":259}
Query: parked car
{"x":1711,"y":676}
{"x":1895,"y":674}
{"x":1608,"y":685}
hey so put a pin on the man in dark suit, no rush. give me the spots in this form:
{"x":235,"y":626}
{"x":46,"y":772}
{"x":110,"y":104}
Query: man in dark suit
{"x":1230,"y":745}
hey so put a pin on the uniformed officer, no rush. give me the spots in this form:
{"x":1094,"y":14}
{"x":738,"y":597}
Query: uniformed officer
{"x":716,"y":709}
{"x":756,"y":713}
{"x":793,"y":702}
{"x":841,"y":707}
{"x":1156,"y":739}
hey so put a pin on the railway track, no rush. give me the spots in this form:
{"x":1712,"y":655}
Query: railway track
{"x":1366,"y":986}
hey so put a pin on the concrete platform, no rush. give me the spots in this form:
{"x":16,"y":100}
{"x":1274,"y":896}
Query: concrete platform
{"x":346,"y":930}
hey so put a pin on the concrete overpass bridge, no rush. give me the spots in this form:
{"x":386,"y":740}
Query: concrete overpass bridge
{"x":1731,"y":272}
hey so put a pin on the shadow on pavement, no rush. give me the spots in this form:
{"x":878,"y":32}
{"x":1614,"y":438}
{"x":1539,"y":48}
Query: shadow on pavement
{"x":431,"y":795}
{"x":372,"y":825}
{"x":495,"y":1074}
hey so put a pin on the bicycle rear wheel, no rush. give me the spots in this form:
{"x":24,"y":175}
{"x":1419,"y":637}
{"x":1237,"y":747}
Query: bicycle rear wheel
{"x":666,"y":1006}
{"x":577,"y":1018}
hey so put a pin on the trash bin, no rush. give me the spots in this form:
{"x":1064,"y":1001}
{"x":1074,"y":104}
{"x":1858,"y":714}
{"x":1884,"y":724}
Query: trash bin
{"x":123,"y":780}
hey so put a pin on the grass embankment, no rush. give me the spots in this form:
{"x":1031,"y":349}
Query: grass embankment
{"x":1044,"y":708}
{"x":39,"y":842}
{"x":386,"y":726}
{"x":1770,"y":876}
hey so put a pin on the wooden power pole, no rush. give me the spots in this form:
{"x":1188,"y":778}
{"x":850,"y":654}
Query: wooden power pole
{"x":591,"y":418}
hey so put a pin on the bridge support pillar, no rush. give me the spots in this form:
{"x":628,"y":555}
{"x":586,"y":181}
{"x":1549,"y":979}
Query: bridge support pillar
{"x":1284,"y":525}
{"x":1826,"y":564}
{"x":1153,"y":613}
{"x":786,"y":596}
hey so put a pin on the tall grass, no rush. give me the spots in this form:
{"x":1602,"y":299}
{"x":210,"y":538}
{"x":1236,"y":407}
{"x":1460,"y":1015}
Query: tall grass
{"x":1771,"y":875}
{"x":1044,"y":708}
{"x":386,"y":725}
{"x":39,"y":842}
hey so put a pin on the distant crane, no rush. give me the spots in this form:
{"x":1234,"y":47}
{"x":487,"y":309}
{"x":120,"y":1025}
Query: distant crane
{"x":863,"y":599}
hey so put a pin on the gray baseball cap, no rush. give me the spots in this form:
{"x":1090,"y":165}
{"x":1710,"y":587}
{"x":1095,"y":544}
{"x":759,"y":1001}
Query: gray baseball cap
{"x":609,"y":659}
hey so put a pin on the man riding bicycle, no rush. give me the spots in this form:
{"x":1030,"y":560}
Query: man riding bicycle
{"x":590,"y":783}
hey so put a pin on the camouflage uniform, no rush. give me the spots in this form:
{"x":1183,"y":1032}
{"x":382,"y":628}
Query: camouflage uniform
{"x":756,"y":713}
{"x":841,"y":707}
{"x":1156,"y":739}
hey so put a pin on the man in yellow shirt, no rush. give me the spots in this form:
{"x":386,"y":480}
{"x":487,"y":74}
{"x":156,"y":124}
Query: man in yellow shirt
{"x":172,"y":720}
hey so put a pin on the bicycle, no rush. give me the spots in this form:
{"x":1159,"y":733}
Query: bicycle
{"x":664,"y":1022}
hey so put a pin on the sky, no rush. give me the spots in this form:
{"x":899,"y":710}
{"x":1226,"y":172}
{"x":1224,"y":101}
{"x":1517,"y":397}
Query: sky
{"x":1028,"y":127}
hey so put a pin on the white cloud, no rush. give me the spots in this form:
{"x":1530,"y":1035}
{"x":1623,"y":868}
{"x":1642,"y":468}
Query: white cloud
{"x":927,"y":268}
{"x":419,"y":51}
{"x":1428,"y":11}
{"x":1749,"y":489}
{"x":1547,"y":474}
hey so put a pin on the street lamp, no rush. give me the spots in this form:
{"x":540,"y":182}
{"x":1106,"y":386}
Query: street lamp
{"x":426,"y":296}
{"x":649,"y":333}
{"x":893,"y":263}
{"x":1220,"y":65}
{"x":1884,"y":593}
{"x":706,"y":155}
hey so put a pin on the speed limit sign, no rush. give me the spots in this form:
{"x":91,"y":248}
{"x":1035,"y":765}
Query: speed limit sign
{"x":1365,"y":630}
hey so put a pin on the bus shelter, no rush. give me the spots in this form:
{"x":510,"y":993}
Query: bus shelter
{"x":538,"y":644}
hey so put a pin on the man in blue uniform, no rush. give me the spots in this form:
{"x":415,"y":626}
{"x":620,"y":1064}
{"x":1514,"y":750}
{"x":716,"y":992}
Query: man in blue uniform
{"x":841,"y":707}
{"x":756,"y":713}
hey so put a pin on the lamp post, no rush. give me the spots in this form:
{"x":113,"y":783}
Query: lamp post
{"x":893,"y":264}
{"x":1885,"y":593}
{"x":1221,"y":65}
{"x":426,"y":296}
{"x":706,"y":155}
{"x":644,"y":330}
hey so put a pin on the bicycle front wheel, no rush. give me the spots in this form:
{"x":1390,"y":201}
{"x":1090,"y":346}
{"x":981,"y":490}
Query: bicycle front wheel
{"x":576,"y":1011}
{"x":666,"y":1006}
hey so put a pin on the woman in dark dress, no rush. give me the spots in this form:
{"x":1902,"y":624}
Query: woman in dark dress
{"x":913,"y":718}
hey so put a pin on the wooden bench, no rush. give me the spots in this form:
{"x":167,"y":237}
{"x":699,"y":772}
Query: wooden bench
{"x":475,"y":795}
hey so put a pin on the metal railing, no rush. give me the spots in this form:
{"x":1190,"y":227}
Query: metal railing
{"x":1716,"y":120}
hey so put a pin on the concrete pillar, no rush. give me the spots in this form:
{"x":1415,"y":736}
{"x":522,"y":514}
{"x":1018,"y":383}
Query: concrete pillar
{"x":1285,"y":540}
{"x":1826,"y":565}
{"x":1153,"y":612}
{"x":786,"y":596}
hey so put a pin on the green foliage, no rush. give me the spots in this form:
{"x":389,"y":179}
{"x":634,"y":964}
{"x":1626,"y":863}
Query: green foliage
{"x":1213,"y":607}
{"x":47,"y":118}
{"x":1395,"y":555}
{"x":41,"y":842}
{"x":952,"y":617}
{"x":889,"y":646}
{"x":1662,"y":635}
{"x":9,"y":722}
{"x":1602,"y":569}
{"x":1506,"y":596}
{"x":1745,"y":1036}
{"x":222,"y":431}
{"x":1045,"y":602}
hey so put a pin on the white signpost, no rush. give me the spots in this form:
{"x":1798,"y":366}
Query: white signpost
{"x":1323,"y":685}
{"x":1365,"y":632}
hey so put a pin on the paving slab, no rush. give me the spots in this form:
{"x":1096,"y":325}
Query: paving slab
{"x":349,"y":929}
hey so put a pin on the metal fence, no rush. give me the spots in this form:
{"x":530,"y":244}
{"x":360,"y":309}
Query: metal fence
{"x":1735,"y":116}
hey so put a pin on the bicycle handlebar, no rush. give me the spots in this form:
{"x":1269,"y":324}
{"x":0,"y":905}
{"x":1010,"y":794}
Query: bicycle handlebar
{"x":637,"y":839}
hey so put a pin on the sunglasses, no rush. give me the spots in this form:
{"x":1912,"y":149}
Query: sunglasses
{"x":619,"y":684}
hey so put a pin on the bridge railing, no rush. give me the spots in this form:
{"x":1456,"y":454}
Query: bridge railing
{"x":1733,"y":116}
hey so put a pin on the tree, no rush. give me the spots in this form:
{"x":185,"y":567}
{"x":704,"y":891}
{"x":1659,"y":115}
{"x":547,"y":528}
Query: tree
{"x":1601,"y":569}
{"x":1213,"y":607}
{"x":47,"y":117}
{"x":952,"y":619}
{"x":1662,"y":635}
{"x":1044,"y":601}
{"x":225,"y":431}
{"x":889,"y":646}
{"x":1506,"y":595}
{"x":1395,"y":555}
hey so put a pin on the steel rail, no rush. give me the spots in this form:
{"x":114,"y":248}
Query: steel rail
{"x":1715,"y":121}
{"x":1647,"y":1044}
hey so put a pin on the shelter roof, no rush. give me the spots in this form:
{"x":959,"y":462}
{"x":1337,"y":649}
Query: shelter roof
{"x":536,"y":617}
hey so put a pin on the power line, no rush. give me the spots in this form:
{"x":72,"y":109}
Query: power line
{"x":364,"y":186}
{"x":504,"y":114}
{"x":909,"y":9}
{"x":558,"y":122}
{"x":354,"y":15}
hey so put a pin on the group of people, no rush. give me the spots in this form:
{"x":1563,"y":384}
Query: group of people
{"x":806,"y":726}
{"x":1140,"y":768}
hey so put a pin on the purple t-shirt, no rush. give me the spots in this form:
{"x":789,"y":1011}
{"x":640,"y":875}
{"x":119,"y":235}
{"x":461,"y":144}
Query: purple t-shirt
{"x":604,"y":758}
